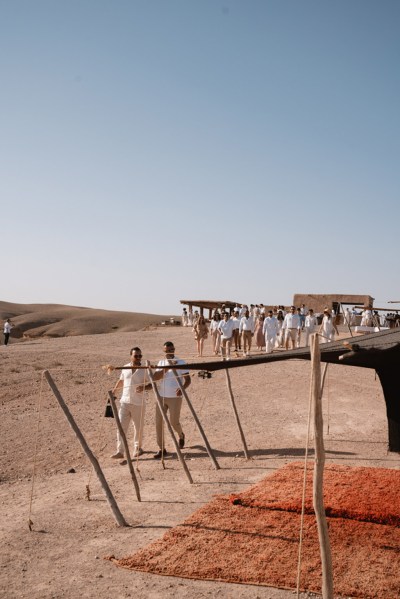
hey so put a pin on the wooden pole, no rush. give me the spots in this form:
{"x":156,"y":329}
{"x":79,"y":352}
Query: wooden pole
{"x":229,"y":385}
{"x":168,"y":424}
{"x":125,"y":442}
{"x":318,"y":496}
{"x":197,"y":421}
{"x":110,"y":498}
{"x":323,"y":377}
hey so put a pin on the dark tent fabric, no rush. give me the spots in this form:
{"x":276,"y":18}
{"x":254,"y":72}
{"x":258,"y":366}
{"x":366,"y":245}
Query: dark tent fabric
{"x":380,"y":351}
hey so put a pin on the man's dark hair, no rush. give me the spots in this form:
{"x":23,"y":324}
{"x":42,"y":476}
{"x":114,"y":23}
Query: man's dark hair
{"x":135,"y":349}
{"x":168,"y":344}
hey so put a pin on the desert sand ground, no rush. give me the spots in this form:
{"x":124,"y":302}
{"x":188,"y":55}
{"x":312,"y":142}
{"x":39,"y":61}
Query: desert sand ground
{"x":62,"y":557}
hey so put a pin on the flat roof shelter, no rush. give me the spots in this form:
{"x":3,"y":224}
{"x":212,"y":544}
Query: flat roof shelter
{"x":210,"y":305}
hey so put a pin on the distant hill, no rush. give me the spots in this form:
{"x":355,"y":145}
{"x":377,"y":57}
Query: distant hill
{"x":56,"y":320}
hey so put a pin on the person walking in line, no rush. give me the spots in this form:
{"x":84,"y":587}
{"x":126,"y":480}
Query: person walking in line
{"x":270,"y":330}
{"x":200,"y":330}
{"x":291,"y":327}
{"x":328,"y":327}
{"x":215,"y":335}
{"x":184,"y":318}
{"x":171,"y":396}
{"x":236,"y":335}
{"x":303,"y":314}
{"x":298,"y":310}
{"x":280,"y":334}
{"x":132,"y":404}
{"x":225,"y":328}
{"x":8,"y":325}
{"x":246,"y":329}
{"x":259,"y":336}
{"x":310,"y":325}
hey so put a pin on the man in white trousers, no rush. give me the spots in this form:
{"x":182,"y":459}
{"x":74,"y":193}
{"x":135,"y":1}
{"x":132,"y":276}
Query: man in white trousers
{"x":270,"y":330}
{"x":132,"y":404}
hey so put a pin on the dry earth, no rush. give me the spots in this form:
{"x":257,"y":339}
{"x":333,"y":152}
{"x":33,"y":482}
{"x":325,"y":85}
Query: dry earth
{"x":62,"y":557}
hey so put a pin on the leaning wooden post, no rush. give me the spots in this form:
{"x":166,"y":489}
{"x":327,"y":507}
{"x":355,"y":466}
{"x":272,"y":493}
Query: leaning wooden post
{"x":125,"y":442}
{"x":110,"y":498}
{"x":228,"y":382}
{"x":323,"y":377}
{"x":318,"y":496}
{"x":167,"y":422}
{"x":197,"y":421}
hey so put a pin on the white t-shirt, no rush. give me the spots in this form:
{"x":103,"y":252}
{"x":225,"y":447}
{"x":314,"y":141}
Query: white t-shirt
{"x":226,"y":327}
{"x":7,"y":327}
{"x":236,"y":322}
{"x":311,"y":322}
{"x":131,"y":379}
{"x":169,"y":384}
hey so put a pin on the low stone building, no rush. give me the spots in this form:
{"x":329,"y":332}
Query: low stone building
{"x":332,"y":301}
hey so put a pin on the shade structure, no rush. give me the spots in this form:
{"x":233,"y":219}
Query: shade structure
{"x":379,"y":351}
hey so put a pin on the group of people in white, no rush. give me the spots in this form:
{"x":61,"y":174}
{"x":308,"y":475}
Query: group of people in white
{"x":365,"y":318}
{"x":268,"y":329}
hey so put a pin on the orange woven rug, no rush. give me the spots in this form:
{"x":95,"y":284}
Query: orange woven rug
{"x":253,"y":537}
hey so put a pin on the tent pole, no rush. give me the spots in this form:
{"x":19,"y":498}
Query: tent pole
{"x":197,"y":421}
{"x":167,"y":422}
{"x":229,"y":385}
{"x":110,"y":498}
{"x":125,"y":442}
{"x":318,"y":494}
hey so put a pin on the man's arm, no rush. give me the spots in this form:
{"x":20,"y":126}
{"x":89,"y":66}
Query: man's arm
{"x":118,"y":385}
{"x":185,"y":384}
{"x":157,"y":375}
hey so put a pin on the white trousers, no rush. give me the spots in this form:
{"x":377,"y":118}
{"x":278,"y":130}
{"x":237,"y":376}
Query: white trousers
{"x":270,"y":341}
{"x":308,"y":333}
{"x":128,"y":412}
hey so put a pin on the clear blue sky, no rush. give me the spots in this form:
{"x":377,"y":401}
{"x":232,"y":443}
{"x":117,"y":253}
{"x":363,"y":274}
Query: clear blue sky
{"x":158,"y":150}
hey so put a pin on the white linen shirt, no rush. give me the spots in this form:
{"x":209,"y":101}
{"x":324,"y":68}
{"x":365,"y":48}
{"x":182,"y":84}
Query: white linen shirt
{"x":131,"y":379}
{"x":292,"y":321}
{"x":310,"y":323}
{"x":247,"y":324}
{"x":270,"y":326}
{"x":169,"y":384}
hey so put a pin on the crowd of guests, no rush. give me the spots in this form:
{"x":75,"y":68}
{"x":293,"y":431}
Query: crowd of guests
{"x":243,"y":327}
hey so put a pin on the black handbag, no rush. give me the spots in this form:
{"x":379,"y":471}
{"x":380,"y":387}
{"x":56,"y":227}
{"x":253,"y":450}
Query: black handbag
{"x":109,"y":411}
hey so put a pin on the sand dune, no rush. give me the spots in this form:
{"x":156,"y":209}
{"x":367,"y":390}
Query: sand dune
{"x":56,"y":320}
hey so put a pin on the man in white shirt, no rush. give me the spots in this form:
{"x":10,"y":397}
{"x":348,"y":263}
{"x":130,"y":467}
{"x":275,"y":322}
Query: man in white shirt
{"x":291,"y":327}
{"x":366,"y":318}
{"x":236,"y":334}
{"x":226,"y":329}
{"x":310,"y":325}
{"x":270,"y":330}
{"x":171,"y":396}
{"x":8,"y":325}
{"x":242,"y":311}
{"x":246,"y":329}
{"x":132,"y":404}
{"x":303,"y":314}
{"x":347,"y":317}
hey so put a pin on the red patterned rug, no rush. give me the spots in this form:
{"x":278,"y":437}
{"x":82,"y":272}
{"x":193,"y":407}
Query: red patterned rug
{"x":253,"y":537}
